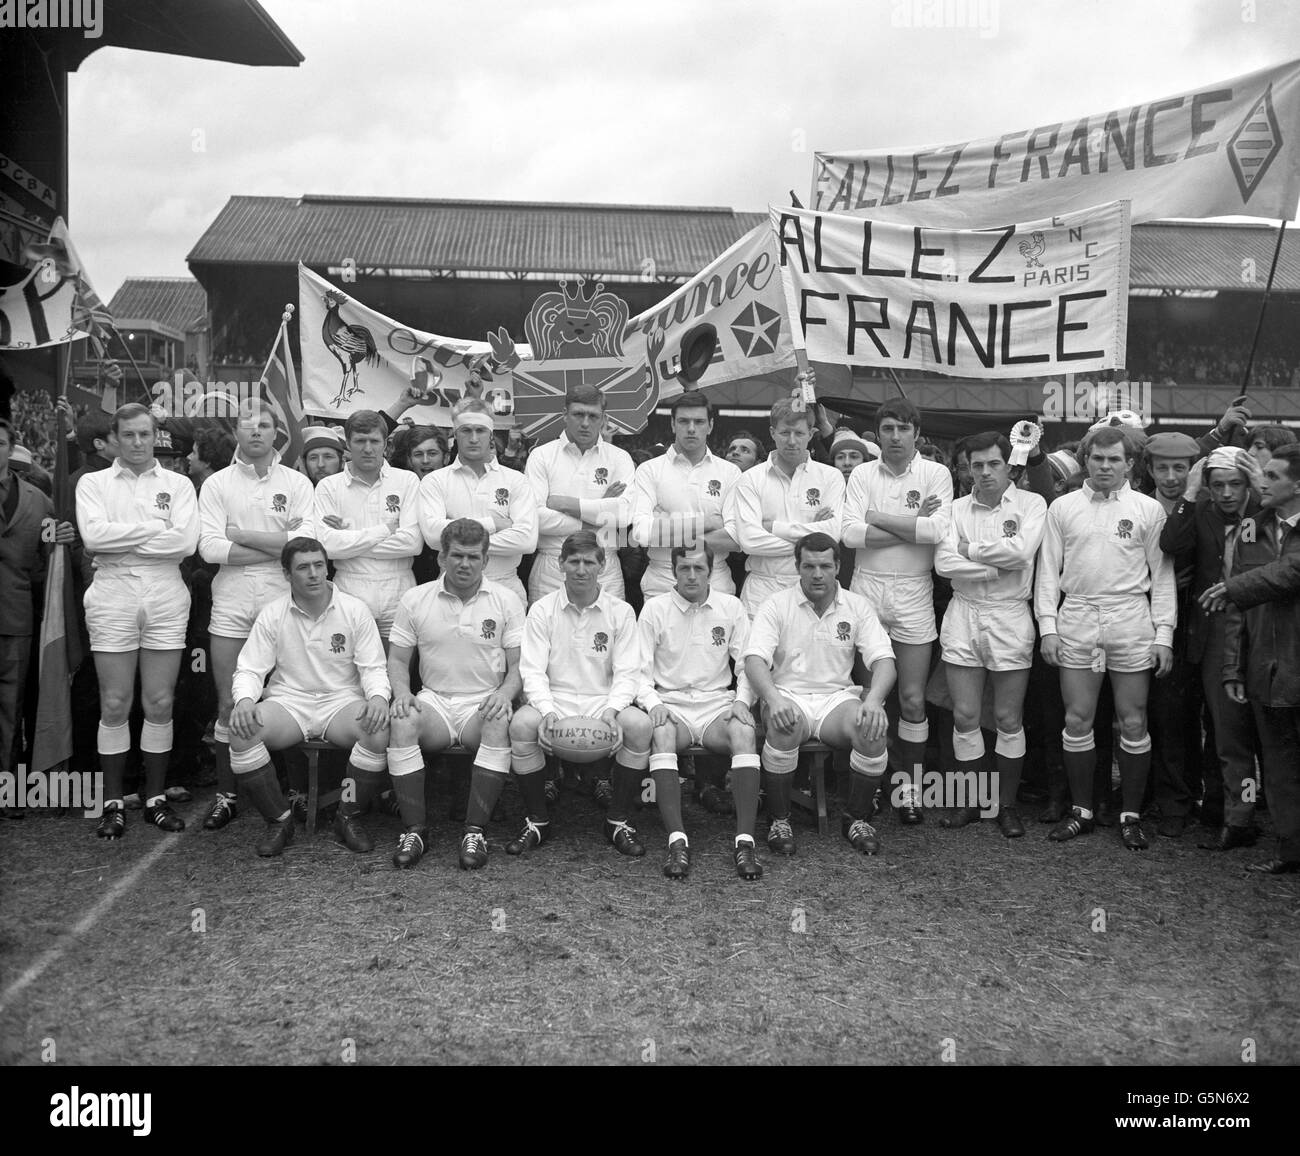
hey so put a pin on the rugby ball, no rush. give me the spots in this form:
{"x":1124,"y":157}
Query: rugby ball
{"x":582,"y":739}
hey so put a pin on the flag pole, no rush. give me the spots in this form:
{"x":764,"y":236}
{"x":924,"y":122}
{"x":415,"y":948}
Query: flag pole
{"x":1263,"y":305}
{"x":282,"y":338}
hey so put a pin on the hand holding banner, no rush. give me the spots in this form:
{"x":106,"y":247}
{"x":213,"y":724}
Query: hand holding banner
{"x":1025,"y":300}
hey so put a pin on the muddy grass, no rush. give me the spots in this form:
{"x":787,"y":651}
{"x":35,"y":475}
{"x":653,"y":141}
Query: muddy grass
{"x":950,"y":945}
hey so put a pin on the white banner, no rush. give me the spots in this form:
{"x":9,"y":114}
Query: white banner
{"x":54,"y":302}
{"x":1019,"y":301}
{"x":356,"y":358}
{"x":1221,"y":149}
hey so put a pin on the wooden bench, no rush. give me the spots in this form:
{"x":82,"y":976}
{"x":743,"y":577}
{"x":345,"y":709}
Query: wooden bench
{"x":316,"y":801}
{"x":813,"y":799}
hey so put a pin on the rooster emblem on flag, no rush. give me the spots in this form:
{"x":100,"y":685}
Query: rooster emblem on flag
{"x":349,"y":344}
{"x":1032,"y":249}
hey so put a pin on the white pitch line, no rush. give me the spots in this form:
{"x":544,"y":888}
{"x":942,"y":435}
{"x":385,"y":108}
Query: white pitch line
{"x":87,"y":921}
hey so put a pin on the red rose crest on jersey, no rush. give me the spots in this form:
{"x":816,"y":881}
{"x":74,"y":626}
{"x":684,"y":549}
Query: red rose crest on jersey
{"x":502,"y":498}
{"x":600,"y":642}
{"x":813,"y":497}
{"x":842,"y":631}
{"x":1124,"y":529}
{"x":602,"y":476}
{"x":279,"y":503}
{"x":913,"y":499}
{"x":489,"y":628}
{"x":719,"y":636}
{"x":162,"y":500}
{"x":337,"y":642}
{"x":714,"y":489}
{"x":1009,"y":528}
{"x":392,"y":504}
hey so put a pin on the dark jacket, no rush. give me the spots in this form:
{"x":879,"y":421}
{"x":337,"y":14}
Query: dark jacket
{"x":1197,"y":531}
{"x":1262,"y":632}
{"x":22,"y":556}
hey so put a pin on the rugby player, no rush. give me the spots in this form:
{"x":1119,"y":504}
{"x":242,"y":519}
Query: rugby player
{"x":581,"y":483}
{"x":322,"y":651}
{"x":478,"y":487}
{"x":677,"y":498}
{"x":140,"y":522}
{"x":799,"y":661}
{"x":1101,"y":548}
{"x":247,"y":512}
{"x":689,"y":637}
{"x":467,"y":630}
{"x":367,"y":517}
{"x":896,"y":510}
{"x":780,"y":501}
{"x":988,"y":552}
{"x":580,"y":656}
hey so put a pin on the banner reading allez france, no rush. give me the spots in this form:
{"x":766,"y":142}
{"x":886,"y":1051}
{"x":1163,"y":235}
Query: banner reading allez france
{"x":1225,"y":148}
{"x":1027,"y":300}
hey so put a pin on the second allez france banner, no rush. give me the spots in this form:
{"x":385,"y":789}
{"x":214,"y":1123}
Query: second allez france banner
{"x":1027,"y":300}
{"x":1226,"y":148}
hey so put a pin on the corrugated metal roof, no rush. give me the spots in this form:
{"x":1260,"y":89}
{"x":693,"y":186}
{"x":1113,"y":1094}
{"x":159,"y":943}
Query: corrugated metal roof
{"x":496,"y":236}
{"x":1210,"y":255}
{"x":172,"y":301}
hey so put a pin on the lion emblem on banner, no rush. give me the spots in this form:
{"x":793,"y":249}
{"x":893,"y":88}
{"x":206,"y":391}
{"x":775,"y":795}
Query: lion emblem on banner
{"x":576,"y":322}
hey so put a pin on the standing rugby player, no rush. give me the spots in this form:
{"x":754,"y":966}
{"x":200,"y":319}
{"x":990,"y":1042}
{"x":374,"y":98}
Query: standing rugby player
{"x":988,"y":553}
{"x":247,"y":512}
{"x":581,"y":483}
{"x":478,"y":487}
{"x":368,"y":520}
{"x":140,"y":522}
{"x":677,"y":498}
{"x":1101,"y":549}
{"x":778,"y":502}
{"x":897,"y":509}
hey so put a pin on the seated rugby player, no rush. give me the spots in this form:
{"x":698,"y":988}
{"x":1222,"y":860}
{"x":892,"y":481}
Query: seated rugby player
{"x":799,"y":661}
{"x":689,"y":636}
{"x":322,"y":650}
{"x":467,"y":630}
{"x":580,"y":656}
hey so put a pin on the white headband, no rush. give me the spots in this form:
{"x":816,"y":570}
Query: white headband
{"x":475,"y":419}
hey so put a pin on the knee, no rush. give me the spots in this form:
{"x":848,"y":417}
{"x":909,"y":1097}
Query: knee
{"x":1076,"y":722}
{"x":664,"y":739}
{"x":403,"y":732}
{"x":495,"y":733}
{"x":524,"y":726}
{"x":964,"y":718}
{"x":636,"y":729}
{"x":114,"y":706}
{"x":911,"y":703}
{"x":1008,"y":721}
{"x":1133,"y":724}
{"x":742,"y":738}
{"x":157,"y":705}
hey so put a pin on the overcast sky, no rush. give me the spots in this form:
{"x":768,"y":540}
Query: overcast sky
{"x":684,"y":102}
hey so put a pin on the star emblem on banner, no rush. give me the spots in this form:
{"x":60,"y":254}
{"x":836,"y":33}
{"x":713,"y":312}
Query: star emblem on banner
{"x":756,"y":329}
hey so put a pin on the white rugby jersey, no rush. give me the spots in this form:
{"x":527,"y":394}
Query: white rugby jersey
{"x":790,"y":502}
{"x":685,"y":648}
{"x":129,"y":520}
{"x":670,"y":485}
{"x":809,"y":654}
{"x":1003,"y":541}
{"x":874,"y":486}
{"x":366,"y":547}
{"x":307,"y":656}
{"x":1099,"y":546}
{"x":580,"y":652}
{"x":559,"y":467}
{"x":462,"y":645}
{"x":238,"y":495}
{"x":457,"y":491}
